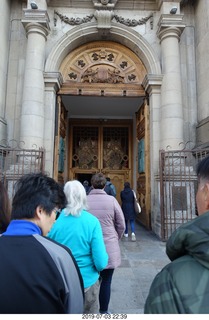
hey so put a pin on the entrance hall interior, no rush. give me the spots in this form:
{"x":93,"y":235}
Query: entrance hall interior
{"x":116,"y":113}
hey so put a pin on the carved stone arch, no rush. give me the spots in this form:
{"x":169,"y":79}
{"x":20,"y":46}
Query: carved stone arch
{"x":103,"y":62}
{"x":103,"y":54}
{"x":89,"y":33}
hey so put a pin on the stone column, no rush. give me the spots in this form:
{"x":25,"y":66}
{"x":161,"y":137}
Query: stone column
{"x":4,"y":54}
{"x":32,"y":114}
{"x":171,"y":116}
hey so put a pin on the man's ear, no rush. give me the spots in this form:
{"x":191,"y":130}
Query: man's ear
{"x":206,"y":194}
{"x":39,"y":212}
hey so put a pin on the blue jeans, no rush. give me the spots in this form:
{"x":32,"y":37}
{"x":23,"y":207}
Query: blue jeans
{"x":105,"y":289}
{"x":131,"y":224}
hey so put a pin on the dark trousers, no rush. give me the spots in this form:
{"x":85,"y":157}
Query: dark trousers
{"x":105,"y":289}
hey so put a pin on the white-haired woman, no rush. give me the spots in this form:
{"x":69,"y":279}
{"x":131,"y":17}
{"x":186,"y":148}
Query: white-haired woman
{"x":80,"y":231}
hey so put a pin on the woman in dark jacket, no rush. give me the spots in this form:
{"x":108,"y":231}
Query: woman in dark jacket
{"x":127,"y":198}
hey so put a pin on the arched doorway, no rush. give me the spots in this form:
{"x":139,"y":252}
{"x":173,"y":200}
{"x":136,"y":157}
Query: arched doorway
{"x":101,"y":128}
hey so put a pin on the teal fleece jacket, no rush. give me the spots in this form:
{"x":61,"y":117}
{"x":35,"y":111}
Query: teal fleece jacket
{"x":83,"y":235}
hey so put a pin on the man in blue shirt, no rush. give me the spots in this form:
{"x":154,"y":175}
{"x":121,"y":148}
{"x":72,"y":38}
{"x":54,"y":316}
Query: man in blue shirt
{"x":37,"y":275}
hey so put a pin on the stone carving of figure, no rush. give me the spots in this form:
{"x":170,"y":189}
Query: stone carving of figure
{"x":89,"y":75}
{"x":115,"y":76}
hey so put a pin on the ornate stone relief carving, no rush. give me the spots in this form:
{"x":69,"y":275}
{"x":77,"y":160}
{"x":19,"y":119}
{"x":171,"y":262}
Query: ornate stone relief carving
{"x":103,"y":74}
{"x":133,"y":22}
{"x":72,"y":21}
{"x":104,"y":4}
{"x":104,"y":18}
{"x":102,"y":68}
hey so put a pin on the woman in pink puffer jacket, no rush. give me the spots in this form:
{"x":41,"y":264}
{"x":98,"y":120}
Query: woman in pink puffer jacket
{"x":107,"y":209}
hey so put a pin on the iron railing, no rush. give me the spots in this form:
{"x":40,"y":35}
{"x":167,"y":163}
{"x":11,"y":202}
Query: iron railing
{"x":178,"y":186}
{"x":16,"y":161}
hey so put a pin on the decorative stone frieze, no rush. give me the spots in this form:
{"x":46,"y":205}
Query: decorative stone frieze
{"x":104,"y":18}
{"x":72,"y":21}
{"x":133,"y":22}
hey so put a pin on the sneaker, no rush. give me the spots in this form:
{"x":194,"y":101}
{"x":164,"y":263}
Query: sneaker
{"x":133,"y":237}
{"x":125,"y":235}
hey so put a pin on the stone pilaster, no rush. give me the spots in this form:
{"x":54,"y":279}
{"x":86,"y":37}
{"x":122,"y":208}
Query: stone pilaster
{"x":152,"y":84}
{"x":53,"y":82}
{"x":4,"y":53}
{"x":169,"y":32}
{"x":36,"y":23}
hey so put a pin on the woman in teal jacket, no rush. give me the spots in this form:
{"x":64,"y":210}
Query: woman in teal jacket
{"x":81,"y":232}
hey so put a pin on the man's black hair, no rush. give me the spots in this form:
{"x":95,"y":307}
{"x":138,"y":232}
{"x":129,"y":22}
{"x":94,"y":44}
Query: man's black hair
{"x":203,"y":169}
{"x":33,"y":190}
{"x":127,"y":185}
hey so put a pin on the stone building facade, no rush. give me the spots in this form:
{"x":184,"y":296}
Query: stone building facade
{"x":104,"y":85}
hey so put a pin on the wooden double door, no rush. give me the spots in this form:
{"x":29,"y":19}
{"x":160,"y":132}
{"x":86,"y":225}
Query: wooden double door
{"x":101,"y":146}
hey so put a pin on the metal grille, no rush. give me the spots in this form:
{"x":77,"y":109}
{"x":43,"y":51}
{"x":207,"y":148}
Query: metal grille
{"x":115,"y":150}
{"x":178,"y":186}
{"x":85,"y":147}
{"x":15,"y":162}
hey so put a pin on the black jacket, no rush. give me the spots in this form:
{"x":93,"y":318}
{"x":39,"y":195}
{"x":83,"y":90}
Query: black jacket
{"x":38,"y":276}
{"x":127,"y":198}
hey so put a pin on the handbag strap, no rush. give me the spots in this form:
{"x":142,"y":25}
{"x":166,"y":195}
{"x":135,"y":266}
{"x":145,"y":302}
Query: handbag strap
{"x":134,"y":194}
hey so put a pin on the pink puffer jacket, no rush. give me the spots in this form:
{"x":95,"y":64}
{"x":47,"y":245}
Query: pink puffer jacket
{"x":107,"y":209}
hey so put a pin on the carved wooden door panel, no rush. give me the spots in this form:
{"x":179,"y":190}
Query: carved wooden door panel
{"x":116,"y":155}
{"x":102,"y":148}
{"x":143,"y":164}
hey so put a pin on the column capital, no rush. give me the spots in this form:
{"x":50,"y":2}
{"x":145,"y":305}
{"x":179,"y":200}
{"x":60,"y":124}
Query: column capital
{"x":170,"y":25}
{"x":53,"y":81}
{"x":152,"y":83}
{"x":38,"y":19}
